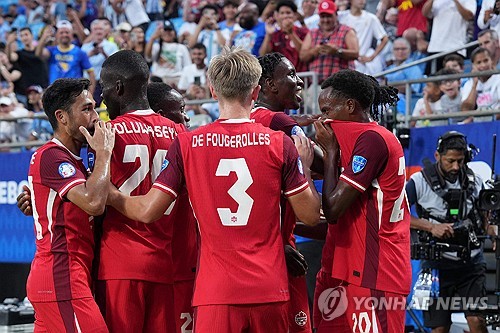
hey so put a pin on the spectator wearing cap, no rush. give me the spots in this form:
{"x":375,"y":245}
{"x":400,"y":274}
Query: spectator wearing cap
{"x":122,"y":35}
{"x":65,"y":60}
{"x":167,"y":55}
{"x":209,"y":33}
{"x":98,"y":49}
{"x":254,"y":30}
{"x":14,"y":130}
{"x":332,"y":46}
{"x":134,"y":11}
{"x":286,"y":37}
{"x":33,"y":69}
{"x":40,"y":128}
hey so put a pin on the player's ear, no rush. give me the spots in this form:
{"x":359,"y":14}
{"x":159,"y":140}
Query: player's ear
{"x":120,"y":89}
{"x":255,"y":93}
{"x":212,"y":92}
{"x":436,"y":155}
{"x":61,"y":116}
{"x":270,"y":83}
{"x":351,"y":105}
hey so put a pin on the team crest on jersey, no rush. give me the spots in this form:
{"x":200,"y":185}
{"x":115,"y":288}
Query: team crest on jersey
{"x":301,"y":318}
{"x":66,"y":170}
{"x":358,"y":163}
{"x":297,"y":130}
{"x":91,"y":160}
{"x":299,"y":165}
{"x":165,"y":164}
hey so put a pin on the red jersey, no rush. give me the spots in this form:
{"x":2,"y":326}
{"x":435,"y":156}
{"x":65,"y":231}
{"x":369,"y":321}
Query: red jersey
{"x":279,"y":121}
{"x":235,"y":198}
{"x":132,"y":250}
{"x":372,"y":238}
{"x":61,"y":268}
{"x":410,"y":16}
{"x":283,"y":43}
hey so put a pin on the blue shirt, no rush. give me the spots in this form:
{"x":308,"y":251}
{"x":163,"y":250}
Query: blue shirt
{"x":251,"y":40}
{"x":68,"y":63}
{"x":410,"y":73}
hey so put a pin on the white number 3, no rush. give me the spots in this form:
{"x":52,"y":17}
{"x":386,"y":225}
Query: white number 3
{"x":237,"y":192}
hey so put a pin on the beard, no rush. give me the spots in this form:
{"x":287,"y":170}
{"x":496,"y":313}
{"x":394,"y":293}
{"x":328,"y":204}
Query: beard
{"x":247,"y":23}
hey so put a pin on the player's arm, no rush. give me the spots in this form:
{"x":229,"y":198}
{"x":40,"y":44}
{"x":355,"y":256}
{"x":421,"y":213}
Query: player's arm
{"x":24,"y":201}
{"x":144,"y":208}
{"x":305,"y":204}
{"x":338,"y":195}
{"x":91,"y":195}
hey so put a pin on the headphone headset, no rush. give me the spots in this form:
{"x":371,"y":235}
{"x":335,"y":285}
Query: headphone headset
{"x":470,"y":150}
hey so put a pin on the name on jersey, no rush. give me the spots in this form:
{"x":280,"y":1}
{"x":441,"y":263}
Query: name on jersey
{"x":140,"y":128}
{"x":231,"y":141}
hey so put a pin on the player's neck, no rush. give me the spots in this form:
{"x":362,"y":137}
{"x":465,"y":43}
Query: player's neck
{"x":234,"y":110}
{"x":69,"y":142}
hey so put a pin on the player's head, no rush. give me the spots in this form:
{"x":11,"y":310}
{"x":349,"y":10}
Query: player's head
{"x":234,"y":75}
{"x":280,"y":84}
{"x":168,"y":102}
{"x":68,"y":104}
{"x":124,"y":80}
{"x":451,"y":154}
{"x":347,"y":94}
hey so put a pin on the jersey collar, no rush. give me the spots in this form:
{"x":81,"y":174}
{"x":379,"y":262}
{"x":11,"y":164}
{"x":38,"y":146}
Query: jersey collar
{"x":59,"y":143}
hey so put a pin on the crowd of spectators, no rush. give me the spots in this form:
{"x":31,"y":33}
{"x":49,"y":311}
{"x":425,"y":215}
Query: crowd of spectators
{"x":42,"y":40}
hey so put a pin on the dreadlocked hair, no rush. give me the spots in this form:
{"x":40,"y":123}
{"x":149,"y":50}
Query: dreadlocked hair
{"x":363,"y":88}
{"x":385,"y":96}
{"x":268,"y":63}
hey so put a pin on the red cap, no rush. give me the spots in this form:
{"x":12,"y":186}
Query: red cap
{"x":327,"y":7}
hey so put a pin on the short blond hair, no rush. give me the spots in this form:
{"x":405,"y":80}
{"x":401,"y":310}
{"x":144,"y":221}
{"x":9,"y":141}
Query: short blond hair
{"x":234,"y":73}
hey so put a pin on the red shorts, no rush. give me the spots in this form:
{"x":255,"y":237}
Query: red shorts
{"x":183,"y":295}
{"x":321,"y":316}
{"x":299,"y":318}
{"x":249,"y":318}
{"x":346,"y":308}
{"x":136,"y":306}
{"x":77,"y":315}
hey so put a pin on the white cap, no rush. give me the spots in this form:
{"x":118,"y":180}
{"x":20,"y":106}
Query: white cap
{"x":124,"y":26}
{"x":5,"y":101}
{"x":64,"y":24}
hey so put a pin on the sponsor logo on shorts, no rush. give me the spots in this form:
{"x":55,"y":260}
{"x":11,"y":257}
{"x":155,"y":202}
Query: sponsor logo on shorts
{"x":301,"y":318}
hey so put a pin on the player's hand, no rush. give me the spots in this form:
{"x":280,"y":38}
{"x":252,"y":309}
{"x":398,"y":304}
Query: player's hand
{"x":306,"y":119}
{"x":442,"y":230}
{"x":326,"y":138}
{"x":295,"y":262}
{"x":24,"y":201}
{"x":103,"y":138}
{"x":270,"y":28}
{"x":306,"y":153}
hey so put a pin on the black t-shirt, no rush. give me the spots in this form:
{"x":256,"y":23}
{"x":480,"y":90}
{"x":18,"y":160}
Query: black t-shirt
{"x":33,"y":69}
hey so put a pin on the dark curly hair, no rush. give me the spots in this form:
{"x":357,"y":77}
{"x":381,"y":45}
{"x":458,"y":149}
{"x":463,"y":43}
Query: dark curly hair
{"x":269,"y":62}
{"x":363,"y":88}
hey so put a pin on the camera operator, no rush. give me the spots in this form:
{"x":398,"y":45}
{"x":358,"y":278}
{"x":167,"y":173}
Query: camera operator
{"x":446,"y":191}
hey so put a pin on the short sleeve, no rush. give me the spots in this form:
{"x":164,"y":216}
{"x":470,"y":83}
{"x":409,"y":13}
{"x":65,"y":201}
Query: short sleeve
{"x":286,"y":124}
{"x":368,"y":160}
{"x":171,"y":178}
{"x":294,"y":181}
{"x":59,"y":171}
{"x":85,"y":62}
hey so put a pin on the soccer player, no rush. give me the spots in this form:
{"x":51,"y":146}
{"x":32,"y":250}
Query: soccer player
{"x":366,"y":205}
{"x":281,"y":89}
{"x":135,"y":277}
{"x":169,"y":103}
{"x":64,"y":199}
{"x":234,"y":171}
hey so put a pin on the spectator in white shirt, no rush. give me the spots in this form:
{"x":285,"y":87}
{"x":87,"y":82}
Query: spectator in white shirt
{"x":196,"y":72}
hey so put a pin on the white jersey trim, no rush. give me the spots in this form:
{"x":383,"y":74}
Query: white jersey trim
{"x":353,"y":183}
{"x":66,"y":188}
{"x":166,"y":188}
{"x":297,"y":189}
{"x":50,"y":207}
{"x":146,"y":112}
